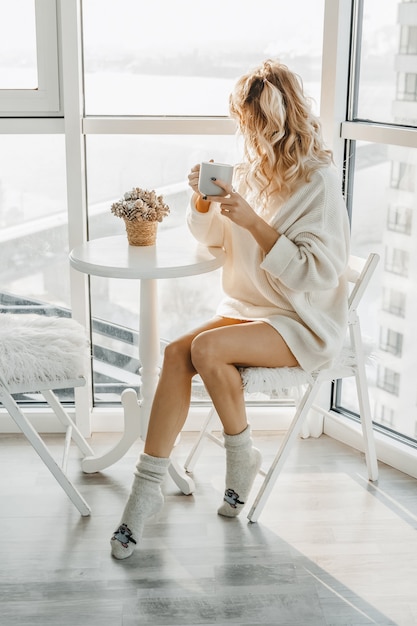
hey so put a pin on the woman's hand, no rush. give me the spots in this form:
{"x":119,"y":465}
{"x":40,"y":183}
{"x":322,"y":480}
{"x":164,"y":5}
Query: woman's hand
{"x":200,"y":202}
{"x":235,"y":208}
{"x":193,"y":178}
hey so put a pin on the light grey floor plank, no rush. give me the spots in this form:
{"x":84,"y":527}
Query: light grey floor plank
{"x":330,"y":549}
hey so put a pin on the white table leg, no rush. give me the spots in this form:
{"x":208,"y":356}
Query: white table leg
{"x":137,"y":410}
{"x":131,"y":432}
{"x":183,"y":481}
{"x":149,"y":355}
{"x":149,"y":350}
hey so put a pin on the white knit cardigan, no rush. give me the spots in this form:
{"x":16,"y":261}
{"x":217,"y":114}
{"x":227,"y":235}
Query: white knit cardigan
{"x":299,"y":287}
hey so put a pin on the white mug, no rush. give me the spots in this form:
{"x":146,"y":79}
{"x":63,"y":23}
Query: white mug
{"x":209,"y":170}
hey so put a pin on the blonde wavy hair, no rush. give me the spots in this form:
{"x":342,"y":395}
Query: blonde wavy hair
{"x":283,"y":144}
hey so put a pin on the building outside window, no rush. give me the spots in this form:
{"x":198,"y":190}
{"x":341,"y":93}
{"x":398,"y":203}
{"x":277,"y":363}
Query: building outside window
{"x":390,"y":341}
{"x":403,"y":176}
{"x":397,"y":261}
{"x":388,"y":380}
{"x":400,"y":219}
{"x":407,"y":87}
{"x":394,"y":301}
{"x":384,"y":415}
{"x":408,"y":42}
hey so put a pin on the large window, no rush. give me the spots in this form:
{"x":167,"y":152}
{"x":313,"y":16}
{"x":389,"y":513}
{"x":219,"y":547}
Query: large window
{"x":153,"y":62}
{"x":382,"y":178}
{"x":145,"y":88}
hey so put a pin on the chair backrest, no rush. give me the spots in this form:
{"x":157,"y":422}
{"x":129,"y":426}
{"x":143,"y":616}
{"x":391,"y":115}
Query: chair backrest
{"x":359,"y":272}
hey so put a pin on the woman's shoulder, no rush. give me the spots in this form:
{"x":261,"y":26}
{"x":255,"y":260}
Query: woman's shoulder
{"x":324,"y":185}
{"x":320,"y":183}
{"x":327,"y":176}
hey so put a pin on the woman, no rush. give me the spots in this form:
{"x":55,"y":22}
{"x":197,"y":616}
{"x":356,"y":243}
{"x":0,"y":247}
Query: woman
{"x":285,"y":231}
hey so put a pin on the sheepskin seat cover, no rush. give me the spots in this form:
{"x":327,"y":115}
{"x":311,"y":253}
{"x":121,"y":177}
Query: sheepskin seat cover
{"x":38,"y":348}
{"x":279,"y":381}
{"x":291,"y":381}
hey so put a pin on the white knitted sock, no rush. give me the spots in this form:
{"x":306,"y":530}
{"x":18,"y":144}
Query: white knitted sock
{"x":145,"y":500}
{"x":242,"y":465}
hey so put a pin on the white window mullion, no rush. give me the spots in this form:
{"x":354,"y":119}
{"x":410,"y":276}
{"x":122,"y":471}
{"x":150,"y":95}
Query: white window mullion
{"x":335,"y":61}
{"x":172,"y":125}
{"x":335,"y":73}
{"x":70,"y":37}
{"x":380,"y":133}
{"x":31,"y":126}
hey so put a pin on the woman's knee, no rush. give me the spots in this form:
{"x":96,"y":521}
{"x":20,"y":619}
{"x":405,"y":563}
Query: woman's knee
{"x":177,"y":355}
{"x":203,"y":352}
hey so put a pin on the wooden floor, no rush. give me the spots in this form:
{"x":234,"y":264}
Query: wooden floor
{"x":330,"y":549}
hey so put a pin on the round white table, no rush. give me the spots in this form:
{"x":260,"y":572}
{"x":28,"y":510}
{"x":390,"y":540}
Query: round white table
{"x":176,"y":254}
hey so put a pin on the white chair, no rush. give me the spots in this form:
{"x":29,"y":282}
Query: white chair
{"x":304,"y":388}
{"x":41,"y":354}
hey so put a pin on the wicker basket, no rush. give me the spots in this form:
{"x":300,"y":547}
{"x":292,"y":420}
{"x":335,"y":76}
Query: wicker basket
{"x":141,"y":233}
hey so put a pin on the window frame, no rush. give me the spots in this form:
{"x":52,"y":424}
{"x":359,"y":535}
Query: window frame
{"x":77,"y":126}
{"x":46,"y":98}
{"x":352,"y":130}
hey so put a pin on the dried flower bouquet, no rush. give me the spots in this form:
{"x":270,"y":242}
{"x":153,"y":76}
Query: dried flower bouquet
{"x":141,"y":204}
{"x":141,"y":210}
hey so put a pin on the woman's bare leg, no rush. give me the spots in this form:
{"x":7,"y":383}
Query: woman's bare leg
{"x":215,"y":354}
{"x":172,"y":397}
{"x":213,"y":351}
{"x":169,"y":411}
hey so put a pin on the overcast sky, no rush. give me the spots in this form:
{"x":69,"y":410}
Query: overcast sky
{"x":178,"y":24}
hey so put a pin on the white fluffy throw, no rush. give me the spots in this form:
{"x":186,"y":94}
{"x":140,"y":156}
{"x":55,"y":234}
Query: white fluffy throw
{"x":281,"y":381}
{"x":38,"y":348}
{"x":290,"y":381}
